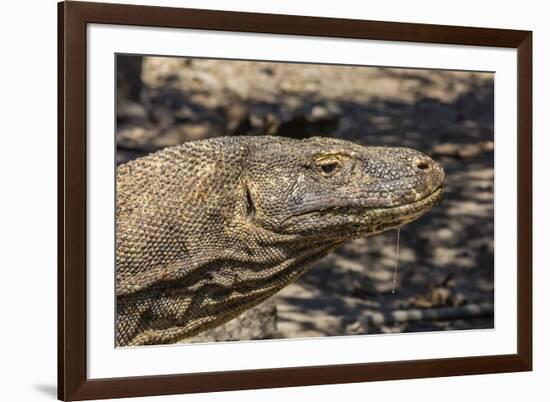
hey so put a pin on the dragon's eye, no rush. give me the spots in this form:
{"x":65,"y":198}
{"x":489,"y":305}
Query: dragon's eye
{"x":329,"y":167}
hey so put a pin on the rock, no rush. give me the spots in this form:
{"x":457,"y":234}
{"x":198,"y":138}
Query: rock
{"x":131,"y":111}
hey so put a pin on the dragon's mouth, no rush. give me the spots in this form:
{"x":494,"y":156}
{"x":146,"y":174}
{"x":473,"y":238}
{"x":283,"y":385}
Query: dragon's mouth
{"x":427,"y":202}
{"x":382,"y":219}
{"x":395,"y":215}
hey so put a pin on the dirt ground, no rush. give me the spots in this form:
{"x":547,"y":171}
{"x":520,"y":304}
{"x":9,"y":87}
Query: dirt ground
{"x":445,"y":271}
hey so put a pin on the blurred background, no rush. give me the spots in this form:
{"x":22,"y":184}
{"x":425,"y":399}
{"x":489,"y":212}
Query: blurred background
{"x":445,"y":270}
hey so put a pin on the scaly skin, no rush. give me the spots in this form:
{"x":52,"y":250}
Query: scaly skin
{"x":211,"y":228}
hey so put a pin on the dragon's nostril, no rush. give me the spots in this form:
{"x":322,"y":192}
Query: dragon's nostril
{"x":422,"y":165}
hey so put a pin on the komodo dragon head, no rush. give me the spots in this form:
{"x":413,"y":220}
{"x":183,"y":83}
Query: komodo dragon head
{"x":211,"y":228}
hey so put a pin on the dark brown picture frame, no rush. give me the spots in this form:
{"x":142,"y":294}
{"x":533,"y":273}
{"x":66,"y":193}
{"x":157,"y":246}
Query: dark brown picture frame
{"x":73,"y":383}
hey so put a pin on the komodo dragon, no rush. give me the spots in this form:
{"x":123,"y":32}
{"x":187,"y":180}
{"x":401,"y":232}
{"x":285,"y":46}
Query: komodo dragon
{"x":210,"y":228}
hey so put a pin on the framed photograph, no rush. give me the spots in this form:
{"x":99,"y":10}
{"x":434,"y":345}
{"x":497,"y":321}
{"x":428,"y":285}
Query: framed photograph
{"x":253,"y":200}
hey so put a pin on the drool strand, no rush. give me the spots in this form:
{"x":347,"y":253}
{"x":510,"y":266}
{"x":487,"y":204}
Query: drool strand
{"x":396,"y":262}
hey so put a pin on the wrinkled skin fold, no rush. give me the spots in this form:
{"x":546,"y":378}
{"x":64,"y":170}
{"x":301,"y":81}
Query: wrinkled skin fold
{"x":211,"y":228}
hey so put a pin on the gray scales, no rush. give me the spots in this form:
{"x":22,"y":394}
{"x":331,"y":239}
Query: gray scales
{"x":208,"y":229}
